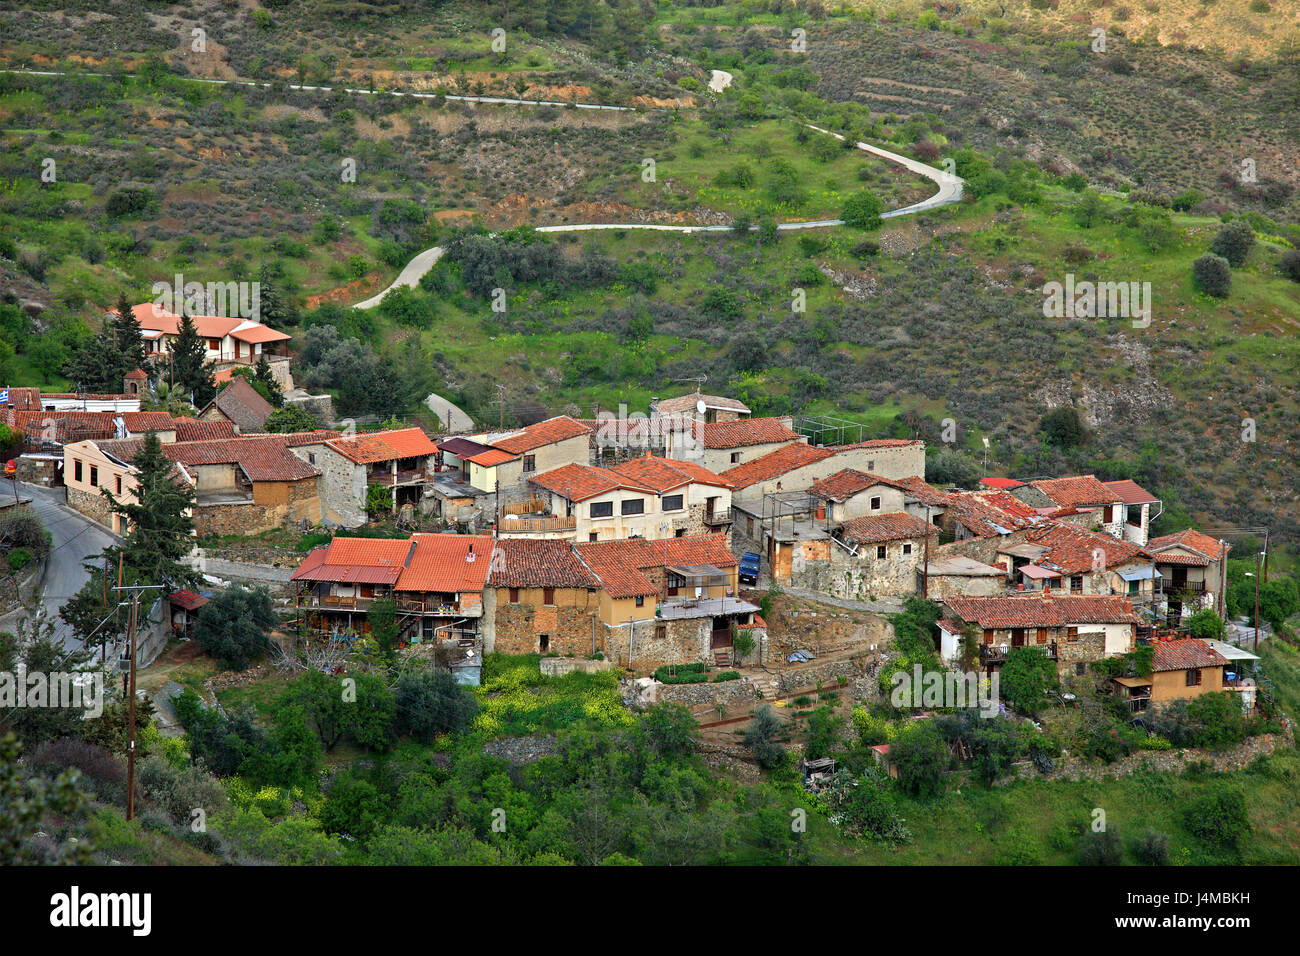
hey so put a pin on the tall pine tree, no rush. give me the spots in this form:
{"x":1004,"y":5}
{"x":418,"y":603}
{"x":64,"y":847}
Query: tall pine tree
{"x":130,"y":340}
{"x":159,"y":519}
{"x":262,"y":374}
{"x":191,"y":371}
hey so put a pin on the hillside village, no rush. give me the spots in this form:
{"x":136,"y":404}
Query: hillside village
{"x":648,"y":433}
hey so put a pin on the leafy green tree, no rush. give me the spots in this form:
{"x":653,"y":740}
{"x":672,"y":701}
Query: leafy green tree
{"x":762,"y":737}
{"x":1062,"y":427}
{"x":862,"y":211}
{"x":28,"y":805}
{"x":234,"y":627}
{"x":1233,"y":241}
{"x":922,"y":758}
{"x":353,"y":806}
{"x":264,"y":376}
{"x":190,"y":369}
{"x":823,"y":732}
{"x":382,"y":618}
{"x":291,"y":418}
{"x":1101,"y":848}
{"x":1206,"y":625}
{"x":671,"y":729}
{"x":158,"y":518}
{"x":38,"y":650}
{"x":48,"y":354}
{"x":432,"y":703}
{"x":1026,"y":677}
{"x":1090,"y":210}
{"x":1218,"y":818}
{"x":94,"y":365}
{"x":1212,"y":275}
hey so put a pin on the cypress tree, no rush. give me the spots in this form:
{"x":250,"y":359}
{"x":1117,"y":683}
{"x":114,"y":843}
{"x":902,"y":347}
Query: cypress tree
{"x":190,"y":369}
{"x":161,"y":528}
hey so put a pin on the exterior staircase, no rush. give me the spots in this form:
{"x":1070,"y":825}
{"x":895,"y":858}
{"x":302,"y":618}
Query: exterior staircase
{"x":722,"y":657}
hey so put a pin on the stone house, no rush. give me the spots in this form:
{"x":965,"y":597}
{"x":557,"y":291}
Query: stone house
{"x":541,"y":599}
{"x":499,"y":465}
{"x":242,"y":485}
{"x":1078,"y":493}
{"x":1193,"y":572}
{"x":671,"y":601}
{"x":240,"y":404}
{"x":1071,"y":630}
{"x":400,"y":460}
{"x":720,"y":445}
{"x":958,"y":576}
{"x":706,"y":409}
{"x":1140,"y":509}
{"x":1079,"y":561}
{"x":435,"y":580}
{"x":862,"y":559}
{"x":643,"y":497}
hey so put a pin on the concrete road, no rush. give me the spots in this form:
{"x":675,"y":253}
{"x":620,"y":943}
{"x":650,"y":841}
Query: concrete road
{"x":75,"y":539}
{"x":453,"y":417}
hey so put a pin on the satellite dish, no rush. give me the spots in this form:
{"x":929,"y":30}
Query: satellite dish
{"x":700,"y":406}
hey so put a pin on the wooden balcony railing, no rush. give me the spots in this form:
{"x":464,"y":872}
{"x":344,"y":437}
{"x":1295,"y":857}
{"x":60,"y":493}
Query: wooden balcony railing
{"x":523,"y":524}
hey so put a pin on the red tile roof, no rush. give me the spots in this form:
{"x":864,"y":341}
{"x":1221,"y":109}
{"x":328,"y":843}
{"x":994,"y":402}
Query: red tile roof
{"x":489,"y":458}
{"x":580,"y":482}
{"x":665,"y":474}
{"x":1183,"y":654}
{"x":545,"y":563}
{"x":1076,"y":491}
{"x":24,"y":398}
{"x":1191,"y":539}
{"x":140,"y":422}
{"x":356,"y":561}
{"x":242,"y":404}
{"x":1000,"y":483}
{"x":984,"y":513}
{"x":687,"y":403}
{"x":262,"y":457}
{"x":927,"y":494}
{"x":846,"y":483}
{"x":744,"y":432}
{"x":549,"y":432}
{"x":191,"y":429}
{"x":1070,"y":549}
{"x":63,"y":427}
{"x":448,"y":563}
{"x":774,"y":464}
{"x":1039,"y":610}
{"x":154,"y":319}
{"x":619,"y":564}
{"x":878,"y":443}
{"x":873,"y":529}
{"x":384,"y":446}
{"x":1130,"y":492}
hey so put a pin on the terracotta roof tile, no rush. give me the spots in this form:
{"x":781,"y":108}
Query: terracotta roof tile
{"x":384,"y":446}
{"x":1076,"y":490}
{"x":774,"y":464}
{"x":989,"y":514}
{"x":1183,"y":654}
{"x":1039,"y":610}
{"x":191,"y":429}
{"x":873,"y":529}
{"x":1130,"y":492}
{"x":1070,"y":549}
{"x":242,"y":404}
{"x":545,"y":563}
{"x":846,"y":483}
{"x":687,"y":403}
{"x":580,"y":482}
{"x":1192,"y":539}
{"x":620,"y":564}
{"x":744,"y":432}
{"x":262,"y":457}
{"x":549,"y":432}
{"x":665,"y":474}
{"x":448,"y":563}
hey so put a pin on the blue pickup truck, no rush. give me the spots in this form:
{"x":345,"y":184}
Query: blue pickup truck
{"x":749,"y":564}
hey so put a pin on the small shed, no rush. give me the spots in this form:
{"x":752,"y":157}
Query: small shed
{"x":184,"y":609}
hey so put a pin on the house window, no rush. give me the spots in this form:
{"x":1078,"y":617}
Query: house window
{"x":1076,"y":584}
{"x":735,"y":457}
{"x":514,"y":595}
{"x":1108,"y":514}
{"x":214,"y":345}
{"x":602,"y":509}
{"x":94,"y":476}
{"x":633,"y":506}
{"x":661,"y":632}
{"x":592,"y":536}
{"x":875,"y":503}
{"x":640,"y":600}
{"x":1042,"y":635}
{"x":76,"y":470}
{"x":543,"y":642}
{"x":672,"y":502}
{"x":118,"y":480}
{"x":530,"y":463}
{"x":679,"y":533}
{"x":548,"y":595}
{"x":1017,"y":637}
{"x":988,"y":636}
{"x":311,"y":457}
{"x":881,"y":551}
{"x":1134,"y":587}
{"x":907,"y":548}
{"x":1071,"y":633}
{"x":871,"y":466}
{"x":1193,"y":677}
{"x":1080,"y":669}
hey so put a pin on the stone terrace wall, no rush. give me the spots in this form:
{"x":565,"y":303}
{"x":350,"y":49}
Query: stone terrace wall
{"x":701,"y":695}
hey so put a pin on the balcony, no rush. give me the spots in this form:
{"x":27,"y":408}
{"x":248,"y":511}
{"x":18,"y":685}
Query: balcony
{"x":1186,"y":587}
{"x":718,"y":518}
{"x":437,"y":606}
{"x":524,"y":524}
{"x":997,"y":653}
{"x":389,"y":479}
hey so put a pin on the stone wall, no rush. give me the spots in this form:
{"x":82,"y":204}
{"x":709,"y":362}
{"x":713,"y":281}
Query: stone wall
{"x":706,"y":695}
{"x":570,"y":631}
{"x":253,"y":517}
{"x":557,"y":666}
{"x":821,"y":565}
{"x":342,"y":487}
{"x":1087,"y":647}
{"x":322,"y":406}
{"x":93,"y":506}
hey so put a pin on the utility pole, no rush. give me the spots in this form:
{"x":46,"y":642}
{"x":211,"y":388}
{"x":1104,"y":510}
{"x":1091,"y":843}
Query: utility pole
{"x":925,"y":566}
{"x":501,"y":402}
{"x":1257,"y":573}
{"x":133,"y":622}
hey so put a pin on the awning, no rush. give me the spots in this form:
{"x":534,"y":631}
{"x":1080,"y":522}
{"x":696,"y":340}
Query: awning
{"x":1036,"y":573}
{"x":1133,"y":681}
{"x":1139,"y":574}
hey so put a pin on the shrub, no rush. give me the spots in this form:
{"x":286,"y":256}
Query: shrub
{"x":1233,"y":241}
{"x":866,"y":807}
{"x":671,"y":728}
{"x":1151,"y":848}
{"x":1218,"y":818}
{"x":862,"y":211}
{"x":726,"y":676}
{"x":19,"y":558}
{"x":1101,"y":849}
{"x":433,"y":703}
{"x":871,"y":730}
{"x":922,"y":759}
{"x":1290,"y":264}
{"x":181,"y":790}
{"x":1212,"y":275}
{"x":233,"y":627}
{"x":762,"y":737}
{"x":823,"y":732}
